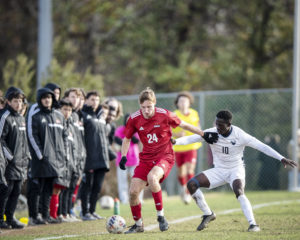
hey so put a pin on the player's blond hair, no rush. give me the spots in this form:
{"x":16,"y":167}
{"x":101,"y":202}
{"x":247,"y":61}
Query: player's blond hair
{"x":147,"y":95}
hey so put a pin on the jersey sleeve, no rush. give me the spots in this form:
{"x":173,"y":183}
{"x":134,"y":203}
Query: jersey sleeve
{"x":260,"y":146}
{"x":189,"y":139}
{"x":173,"y":119}
{"x":129,"y":128}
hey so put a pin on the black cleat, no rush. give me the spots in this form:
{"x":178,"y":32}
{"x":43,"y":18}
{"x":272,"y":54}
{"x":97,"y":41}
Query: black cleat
{"x":163,"y":224}
{"x":135,"y":229}
{"x":16,"y":224}
{"x":205,"y":220}
{"x":253,"y":228}
{"x":4,"y":225}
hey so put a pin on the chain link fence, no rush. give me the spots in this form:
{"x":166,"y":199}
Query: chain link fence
{"x":265,"y":114}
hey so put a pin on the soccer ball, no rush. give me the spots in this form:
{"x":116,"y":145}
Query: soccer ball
{"x":106,"y":202}
{"x":115,"y":224}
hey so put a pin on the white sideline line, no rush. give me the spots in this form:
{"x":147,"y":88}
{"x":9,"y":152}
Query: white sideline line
{"x":257,"y":206}
{"x":180,"y":220}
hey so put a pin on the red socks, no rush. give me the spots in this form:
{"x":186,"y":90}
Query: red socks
{"x":54,"y":205}
{"x":158,"y":200}
{"x":182,"y":180}
{"x":136,"y":211}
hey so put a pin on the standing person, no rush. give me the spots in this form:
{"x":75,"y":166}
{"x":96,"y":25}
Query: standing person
{"x":153,"y":126}
{"x":185,"y":156}
{"x":132,"y":161}
{"x":97,"y":161}
{"x":14,"y":140}
{"x":228,"y":166}
{"x":48,"y":145}
{"x":65,"y":198}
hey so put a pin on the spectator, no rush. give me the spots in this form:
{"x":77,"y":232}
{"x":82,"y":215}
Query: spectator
{"x":48,"y":144}
{"x":97,"y":161}
{"x":14,"y":140}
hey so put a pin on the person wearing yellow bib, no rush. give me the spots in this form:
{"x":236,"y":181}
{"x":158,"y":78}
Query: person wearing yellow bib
{"x":185,"y":155}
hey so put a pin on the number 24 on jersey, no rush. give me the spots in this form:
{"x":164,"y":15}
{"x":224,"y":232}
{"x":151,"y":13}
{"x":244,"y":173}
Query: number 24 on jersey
{"x":152,"y":138}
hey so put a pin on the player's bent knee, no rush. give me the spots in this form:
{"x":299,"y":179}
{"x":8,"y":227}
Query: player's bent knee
{"x":193,"y":185}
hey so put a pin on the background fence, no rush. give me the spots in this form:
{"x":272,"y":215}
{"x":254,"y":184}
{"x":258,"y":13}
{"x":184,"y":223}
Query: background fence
{"x":265,"y":114}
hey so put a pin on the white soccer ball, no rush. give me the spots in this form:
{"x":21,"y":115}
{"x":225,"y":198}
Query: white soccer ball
{"x":115,"y":224}
{"x":106,"y":202}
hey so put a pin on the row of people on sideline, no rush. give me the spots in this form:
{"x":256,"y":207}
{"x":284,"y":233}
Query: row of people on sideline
{"x":59,"y":145}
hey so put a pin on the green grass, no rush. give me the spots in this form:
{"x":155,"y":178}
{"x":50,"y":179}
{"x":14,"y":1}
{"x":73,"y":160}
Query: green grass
{"x":276,"y":221}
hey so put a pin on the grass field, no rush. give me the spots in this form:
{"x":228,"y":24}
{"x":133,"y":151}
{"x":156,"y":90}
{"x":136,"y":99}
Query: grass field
{"x":277,"y":213}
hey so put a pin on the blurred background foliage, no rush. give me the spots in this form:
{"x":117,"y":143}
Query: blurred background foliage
{"x":122,"y":46}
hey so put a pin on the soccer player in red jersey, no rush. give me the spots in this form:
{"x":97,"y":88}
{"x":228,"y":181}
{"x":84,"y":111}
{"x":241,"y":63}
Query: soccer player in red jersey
{"x":153,"y":125}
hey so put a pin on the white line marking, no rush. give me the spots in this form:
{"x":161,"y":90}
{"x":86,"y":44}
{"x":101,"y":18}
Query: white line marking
{"x":180,"y":220}
{"x":257,"y":206}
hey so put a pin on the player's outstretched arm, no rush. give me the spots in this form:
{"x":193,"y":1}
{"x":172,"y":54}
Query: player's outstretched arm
{"x":124,"y":150}
{"x":191,"y":128}
{"x":288,"y":162}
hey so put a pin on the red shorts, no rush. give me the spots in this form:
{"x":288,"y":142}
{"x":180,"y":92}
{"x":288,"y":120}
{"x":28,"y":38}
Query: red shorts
{"x":59,"y":186}
{"x":184,"y":157}
{"x":144,"y":167}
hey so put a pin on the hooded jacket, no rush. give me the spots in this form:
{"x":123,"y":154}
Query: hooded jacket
{"x":47,"y":139}
{"x":52,"y":87}
{"x":14,"y":140}
{"x":95,"y":140}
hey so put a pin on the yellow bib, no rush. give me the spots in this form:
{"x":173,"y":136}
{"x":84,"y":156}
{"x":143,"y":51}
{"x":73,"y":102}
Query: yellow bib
{"x":193,"y":119}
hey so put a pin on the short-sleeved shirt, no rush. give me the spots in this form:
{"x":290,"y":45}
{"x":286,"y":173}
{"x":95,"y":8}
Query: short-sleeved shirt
{"x":155,"y":133}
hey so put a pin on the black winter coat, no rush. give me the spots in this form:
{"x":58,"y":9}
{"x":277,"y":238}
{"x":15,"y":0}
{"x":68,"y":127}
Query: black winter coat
{"x":3,"y":164}
{"x":15,"y":145}
{"x":96,"y":141}
{"x":48,"y":140}
{"x":77,"y":120}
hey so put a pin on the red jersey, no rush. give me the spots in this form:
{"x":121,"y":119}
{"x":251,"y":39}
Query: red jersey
{"x":155,"y":133}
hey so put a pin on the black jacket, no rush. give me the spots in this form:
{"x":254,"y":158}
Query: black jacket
{"x":95,"y":140}
{"x":15,"y":145}
{"x":3,"y":164}
{"x":47,"y":140}
{"x":77,"y":119}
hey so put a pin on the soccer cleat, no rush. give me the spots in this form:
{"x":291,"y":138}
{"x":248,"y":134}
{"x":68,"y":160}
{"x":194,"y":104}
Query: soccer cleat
{"x":205,"y":220}
{"x":97,"y":216}
{"x":36,"y":221}
{"x":16,"y":224}
{"x":52,"y":220}
{"x":253,"y":228}
{"x":135,"y":229}
{"x":163,"y":224}
{"x":4,"y":225}
{"x":88,"y":217}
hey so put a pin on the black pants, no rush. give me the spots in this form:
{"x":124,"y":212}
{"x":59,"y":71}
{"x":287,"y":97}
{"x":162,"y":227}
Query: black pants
{"x":33,"y":194}
{"x":3,"y":193}
{"x":63,"y":202}
{"x":40,"y":191}
{"x":65,"y":197}
{"x":91,"y":186}
{"x":9,"y":199}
